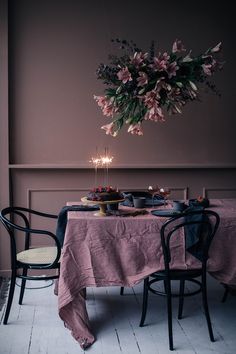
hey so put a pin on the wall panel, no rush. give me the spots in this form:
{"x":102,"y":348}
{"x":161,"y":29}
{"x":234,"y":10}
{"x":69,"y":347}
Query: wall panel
{"x":49,"y":189}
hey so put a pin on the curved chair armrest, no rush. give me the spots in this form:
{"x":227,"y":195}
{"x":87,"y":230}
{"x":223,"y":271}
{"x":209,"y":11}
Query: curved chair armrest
{"x":10,"y":226}
{"x":28,"y":210}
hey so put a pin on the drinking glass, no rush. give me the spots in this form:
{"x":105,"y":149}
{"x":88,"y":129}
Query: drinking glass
{"x":153,"y":190}
{"x":165,"y":192}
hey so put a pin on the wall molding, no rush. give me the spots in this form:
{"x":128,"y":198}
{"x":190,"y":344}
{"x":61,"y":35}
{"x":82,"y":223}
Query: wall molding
{"x":121,"y":166}
{"x":206,"y":190}
{"x":33,"y":190}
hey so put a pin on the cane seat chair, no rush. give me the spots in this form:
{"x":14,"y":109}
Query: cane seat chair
{"x":16,"y":221}
{"x":206,"y":223}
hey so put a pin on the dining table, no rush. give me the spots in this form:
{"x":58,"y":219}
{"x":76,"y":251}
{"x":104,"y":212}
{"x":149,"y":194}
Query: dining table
{"x":101,"y":251}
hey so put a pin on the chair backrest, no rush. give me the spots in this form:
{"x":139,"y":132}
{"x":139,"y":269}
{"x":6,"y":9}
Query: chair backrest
{"x":17,"y":219}
{"x":196,"y":227}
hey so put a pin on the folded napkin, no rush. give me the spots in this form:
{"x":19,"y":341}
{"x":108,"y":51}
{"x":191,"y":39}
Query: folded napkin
{"x":193,"y":242}
{"x":62,"y":218}
{"x":204,"y":202}
{"x":128,"y":200}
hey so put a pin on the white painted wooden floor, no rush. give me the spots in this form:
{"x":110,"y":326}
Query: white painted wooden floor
{"x":36,"y":328}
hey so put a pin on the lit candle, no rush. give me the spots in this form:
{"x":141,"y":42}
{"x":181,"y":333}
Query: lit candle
{"x":106,"y":161}
{"x":103,"y":161}
{"x":96,"y":161}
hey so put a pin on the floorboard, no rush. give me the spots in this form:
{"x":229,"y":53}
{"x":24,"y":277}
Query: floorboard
{"x":35,"y":327}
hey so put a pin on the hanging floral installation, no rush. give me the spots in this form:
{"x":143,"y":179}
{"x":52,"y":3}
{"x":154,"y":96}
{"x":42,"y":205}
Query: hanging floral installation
{"x":143,"y":86}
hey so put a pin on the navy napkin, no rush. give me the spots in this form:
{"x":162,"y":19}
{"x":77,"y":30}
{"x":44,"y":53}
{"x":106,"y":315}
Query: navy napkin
{"x":193,"y":241}
{"x":128,"y":200}
{"x":62,"y":218}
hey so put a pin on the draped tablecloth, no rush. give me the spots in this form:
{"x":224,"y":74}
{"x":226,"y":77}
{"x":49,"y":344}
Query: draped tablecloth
{"x":121,"y":251}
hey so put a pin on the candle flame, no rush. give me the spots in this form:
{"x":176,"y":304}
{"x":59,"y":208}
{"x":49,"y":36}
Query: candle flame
{"x":96,"y":161}
{"x":106,"y":160}
{"x":102,"y":160}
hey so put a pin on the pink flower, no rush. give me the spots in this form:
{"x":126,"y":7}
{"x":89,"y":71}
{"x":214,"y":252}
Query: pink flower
{"x":109,"y":110}
{"x":107,"y":106}
{"x":150,"y":98}
{"x":178,"y":46}
{"x":174,"y":93}
{"x":216,"y":65}
{"x":124,"y":75}
{"x":165,"y":56}
{"x":155,"y":114}
{"x":101,"y":100}
{"x":135,"y":129}
{"x":172,"y":68}
{"x":138,"y":58}
{"x":160,"y":62}
{"x":109,"y":128}
{"x":142,"y":79}
{"x":207,"y":68}
{"x":211,"y":67}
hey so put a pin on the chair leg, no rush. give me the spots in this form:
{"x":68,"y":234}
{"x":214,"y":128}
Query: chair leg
{"x":225,"y":293}
{"x":205,"y":305}
{"x":181,"y":298}
{"x":145,"y":301}
{"x":22,"y":289}
{"x":169,"y":310}
{"x":84,"y":293}
{"x":165,"y":289}
{"x":10,"y":296}
{"x":121,"y":290}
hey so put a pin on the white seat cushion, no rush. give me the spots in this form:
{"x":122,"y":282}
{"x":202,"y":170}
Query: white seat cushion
{"x":41,"y":255}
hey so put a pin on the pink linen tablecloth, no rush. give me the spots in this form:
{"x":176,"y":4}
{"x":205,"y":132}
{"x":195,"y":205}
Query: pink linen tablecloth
{"x":108,"y":251}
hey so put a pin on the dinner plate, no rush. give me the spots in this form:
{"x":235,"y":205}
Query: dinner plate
{"x":165,"y":212}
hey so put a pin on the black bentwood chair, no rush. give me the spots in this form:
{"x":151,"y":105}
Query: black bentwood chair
{"x":16,"y":220}
{"x":228,"y":290}
{"x":202,"y":223}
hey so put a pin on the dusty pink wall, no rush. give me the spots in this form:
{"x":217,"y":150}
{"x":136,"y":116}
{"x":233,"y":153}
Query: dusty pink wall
{"x":54,"y":50}
{"x":56,"y":47}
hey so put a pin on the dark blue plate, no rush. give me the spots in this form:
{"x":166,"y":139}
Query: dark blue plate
{"x":165,"y":212}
